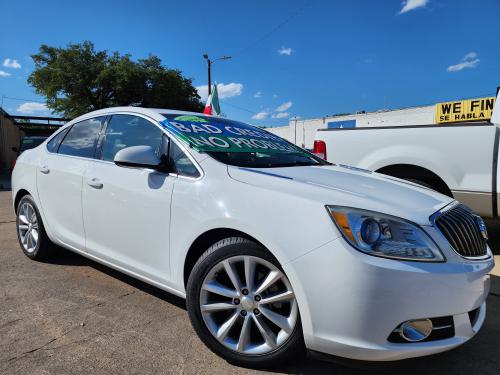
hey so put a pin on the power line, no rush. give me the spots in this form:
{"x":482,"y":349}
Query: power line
{"x":275,"y":120}
{"x":272,"y":31}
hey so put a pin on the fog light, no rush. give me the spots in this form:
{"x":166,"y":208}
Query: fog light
{"x":416,"y":330}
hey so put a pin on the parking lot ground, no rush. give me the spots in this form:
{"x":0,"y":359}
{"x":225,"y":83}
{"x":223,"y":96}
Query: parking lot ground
{"x":72,"y":316}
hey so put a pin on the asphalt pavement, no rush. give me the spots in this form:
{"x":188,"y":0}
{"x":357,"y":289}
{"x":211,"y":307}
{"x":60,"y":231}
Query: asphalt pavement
{"x":71,"y":315}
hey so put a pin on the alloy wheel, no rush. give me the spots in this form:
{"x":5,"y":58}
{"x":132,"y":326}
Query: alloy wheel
{"x":248,"y":305}
{"x":27,"y":226}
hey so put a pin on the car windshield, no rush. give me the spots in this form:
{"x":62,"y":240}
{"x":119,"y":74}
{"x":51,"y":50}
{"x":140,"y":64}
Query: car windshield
{"x":236,"y":143}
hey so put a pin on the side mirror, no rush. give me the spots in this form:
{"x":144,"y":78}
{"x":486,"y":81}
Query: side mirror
{"x":138,"y":157}
{"x":15,"y":149}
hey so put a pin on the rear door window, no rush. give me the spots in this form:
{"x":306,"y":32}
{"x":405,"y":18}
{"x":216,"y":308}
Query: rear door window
{"x":82,"y":138}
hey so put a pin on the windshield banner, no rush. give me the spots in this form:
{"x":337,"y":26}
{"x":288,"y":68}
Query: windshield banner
{"x":220,"y":135}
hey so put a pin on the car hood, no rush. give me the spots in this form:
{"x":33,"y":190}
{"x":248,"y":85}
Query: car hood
{"x":350,"y":187}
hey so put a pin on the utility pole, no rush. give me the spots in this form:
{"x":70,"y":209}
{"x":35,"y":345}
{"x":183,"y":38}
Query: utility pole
{"x":209,"y":67}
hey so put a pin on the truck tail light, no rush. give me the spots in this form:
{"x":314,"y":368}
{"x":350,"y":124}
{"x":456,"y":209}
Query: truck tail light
{"x":319,"y":149}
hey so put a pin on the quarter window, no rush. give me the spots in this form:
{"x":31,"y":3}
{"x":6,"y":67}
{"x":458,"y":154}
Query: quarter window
{"x":54,"y":143}
{"x":183,"y":165}
{"x":126,"y":131}
{"x":81,"y":138}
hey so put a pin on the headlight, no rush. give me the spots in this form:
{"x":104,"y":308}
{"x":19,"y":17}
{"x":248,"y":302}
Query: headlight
{"x":384,"y":235}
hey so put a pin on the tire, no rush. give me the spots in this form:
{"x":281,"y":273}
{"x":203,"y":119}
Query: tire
{"x":31,"y":234}
{"x":255,"y":351}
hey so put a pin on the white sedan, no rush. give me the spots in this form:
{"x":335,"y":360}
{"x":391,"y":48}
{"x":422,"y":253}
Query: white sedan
{"x":275,"y":250}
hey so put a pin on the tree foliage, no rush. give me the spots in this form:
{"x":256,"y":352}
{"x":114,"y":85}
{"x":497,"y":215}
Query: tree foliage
{"x":78,"y":79}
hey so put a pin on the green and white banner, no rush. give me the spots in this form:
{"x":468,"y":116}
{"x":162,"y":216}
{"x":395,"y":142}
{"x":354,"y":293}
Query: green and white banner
{"x":215,"y":134}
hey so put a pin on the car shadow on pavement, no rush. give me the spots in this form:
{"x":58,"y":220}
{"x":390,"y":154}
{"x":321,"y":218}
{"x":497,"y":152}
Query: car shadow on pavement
{"x":68,"y":258}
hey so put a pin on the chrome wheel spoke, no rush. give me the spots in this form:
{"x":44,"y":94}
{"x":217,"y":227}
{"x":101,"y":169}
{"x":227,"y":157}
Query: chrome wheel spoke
{"x":29,"y":241}
{"x":271,"y":278}
{"x":23,"y":226}
{"x":265,"y":331}
{"x":23,"y":219}
{"x":34,"y":235}
{"x":25,"y":238}
{"x":285,"y":296}
{"x":217,"y":288}
{"x":249,"y":273}
{"x":226,"y":327}
{"x":244,"y":338}
{"x":210,"y":307}
{"x":231,"y":274}
{"x":280,"y":320}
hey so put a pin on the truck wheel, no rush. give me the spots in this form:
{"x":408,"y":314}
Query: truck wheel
{"x":242,"y":305}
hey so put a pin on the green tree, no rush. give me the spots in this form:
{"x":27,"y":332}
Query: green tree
{"x":78,"y":79}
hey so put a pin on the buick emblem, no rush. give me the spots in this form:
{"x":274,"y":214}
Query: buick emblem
{"x":482,"y":227}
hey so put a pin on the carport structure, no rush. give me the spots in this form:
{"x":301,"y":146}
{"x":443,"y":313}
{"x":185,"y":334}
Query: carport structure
{"x":14,"y":128}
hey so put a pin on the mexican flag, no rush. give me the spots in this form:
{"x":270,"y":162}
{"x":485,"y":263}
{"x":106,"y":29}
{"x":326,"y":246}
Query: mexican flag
{"x":212,"y":107}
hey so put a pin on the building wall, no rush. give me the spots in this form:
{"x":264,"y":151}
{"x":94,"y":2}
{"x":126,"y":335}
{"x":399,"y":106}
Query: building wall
{"x":302,"y":132}
{"x":10,"y":136}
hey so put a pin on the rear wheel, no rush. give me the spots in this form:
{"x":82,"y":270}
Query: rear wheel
{"x":242,"y":305}
{"x":30,"y":230}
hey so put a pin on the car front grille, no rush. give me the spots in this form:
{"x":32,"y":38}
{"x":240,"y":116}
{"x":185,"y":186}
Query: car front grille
{"x":460,"y":228}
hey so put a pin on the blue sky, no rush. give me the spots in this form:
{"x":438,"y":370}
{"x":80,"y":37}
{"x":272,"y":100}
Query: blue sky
{"x":290,"y":58}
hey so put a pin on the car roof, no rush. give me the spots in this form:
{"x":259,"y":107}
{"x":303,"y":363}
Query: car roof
{"x":155,"y":113}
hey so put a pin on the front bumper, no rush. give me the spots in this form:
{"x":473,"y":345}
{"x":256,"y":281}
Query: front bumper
{"x":350,"y":302}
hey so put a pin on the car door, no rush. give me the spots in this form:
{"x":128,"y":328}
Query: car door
{"x":126,"y":211}
{"x":59,"y":180}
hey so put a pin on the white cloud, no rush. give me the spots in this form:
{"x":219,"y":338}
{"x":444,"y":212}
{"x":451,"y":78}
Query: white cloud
{"x":470,"y":60}
{"x":284,"y":107}
{"x":261,"y":115}
{"x":224,"y":91}
{"x":281,"y":115}
{"x":31,"y":107}
{"x":4,"y":74}
{"x":258,"y":94}
{"x":412,"y":4}
{"x":9,"y":63}
{"x":470,"y":56}
{"x":285,"y":51}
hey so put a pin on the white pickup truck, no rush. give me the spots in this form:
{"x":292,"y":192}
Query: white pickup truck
{"x":459,"y":160}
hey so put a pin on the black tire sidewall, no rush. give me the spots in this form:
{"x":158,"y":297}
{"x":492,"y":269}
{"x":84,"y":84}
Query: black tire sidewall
{"x":227,"y":248}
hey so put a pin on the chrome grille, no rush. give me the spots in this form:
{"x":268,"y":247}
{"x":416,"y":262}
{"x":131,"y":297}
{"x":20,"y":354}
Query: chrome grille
{"x":460,"y":228}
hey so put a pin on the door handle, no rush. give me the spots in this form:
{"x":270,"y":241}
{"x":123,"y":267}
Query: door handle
{"x":95,"y":183}
{"x":44,"y":169}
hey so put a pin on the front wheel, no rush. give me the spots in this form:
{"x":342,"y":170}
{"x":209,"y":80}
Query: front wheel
{"x":242,"y":305}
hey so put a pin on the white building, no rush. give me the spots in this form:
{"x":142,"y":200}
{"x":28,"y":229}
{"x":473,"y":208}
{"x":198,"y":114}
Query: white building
{"x":302,"y":131}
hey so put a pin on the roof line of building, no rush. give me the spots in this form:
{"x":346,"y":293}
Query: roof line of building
{"x":379,"y":110}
